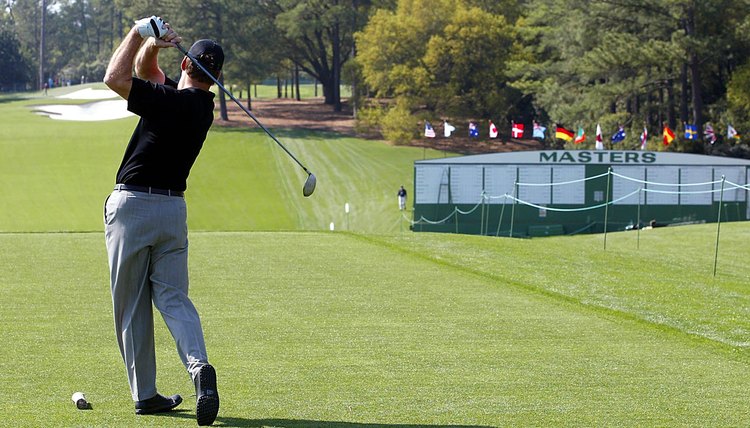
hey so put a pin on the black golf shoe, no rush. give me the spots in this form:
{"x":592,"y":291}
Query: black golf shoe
{"x":207,"y":397}
{"x":157,"y":404}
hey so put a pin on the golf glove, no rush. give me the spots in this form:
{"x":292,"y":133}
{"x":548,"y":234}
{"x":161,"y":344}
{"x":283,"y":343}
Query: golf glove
{"x":151,"y":27}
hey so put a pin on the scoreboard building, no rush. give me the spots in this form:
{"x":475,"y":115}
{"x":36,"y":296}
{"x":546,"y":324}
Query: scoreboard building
{"x":555,"y":192}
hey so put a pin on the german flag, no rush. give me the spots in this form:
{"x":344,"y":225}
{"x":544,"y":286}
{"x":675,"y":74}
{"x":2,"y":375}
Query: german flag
{"x":563,"y":133}
{"x":668,"y":135}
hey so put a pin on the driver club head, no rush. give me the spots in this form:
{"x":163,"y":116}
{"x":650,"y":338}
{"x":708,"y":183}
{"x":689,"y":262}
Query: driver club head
{"x":309,"y":186}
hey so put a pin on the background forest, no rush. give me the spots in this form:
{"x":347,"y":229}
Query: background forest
{"x":619,"y":63}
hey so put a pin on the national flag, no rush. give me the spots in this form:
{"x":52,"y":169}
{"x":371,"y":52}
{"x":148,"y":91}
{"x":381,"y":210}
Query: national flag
{"x":563,"y":133}
{"x":473,"y":130}
{"x":619,"y":135}
{"x":709,"y":134}
{"x":517,"y":130}
{"x":428,"y":131}
{"x":668,"y":135}
{"x":690,"y":132}
{"x":580,"y":137}
{"x":644,"y":138}
{"x":448,"y":128}
{"x":493,"y":130}
{"x":538,"y":131}
{"x":731,"y":132}
{"x":599,"y":139}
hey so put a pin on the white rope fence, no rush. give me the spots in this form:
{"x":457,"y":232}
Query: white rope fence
{"x":728,"y":185}
{"x":646,"y":187}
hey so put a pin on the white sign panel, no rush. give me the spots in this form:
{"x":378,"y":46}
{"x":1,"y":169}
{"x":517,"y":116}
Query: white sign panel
{"x":498,"y":181}
{"x":573,"y":191}
{"x":427,"y":184}
{"x":732,"y":174}
{"x":621,"y":187}
{"x":466,"y":184}
{"x":691,"y":192}
{"x":663,"y":186}
{"x":534,"y":175}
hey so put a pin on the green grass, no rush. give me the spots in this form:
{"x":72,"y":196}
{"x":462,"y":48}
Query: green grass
{"x":373,"y":330}
{"x":55,"y":176}
{"x":377,"y":327}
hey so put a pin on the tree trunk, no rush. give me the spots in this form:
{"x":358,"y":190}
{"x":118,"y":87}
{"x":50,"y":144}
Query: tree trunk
{"x":684,"y":93}
{"x":671,"y":118}
{"x":249,"y":103}
{"x":41,"y":45}
{"x":336,"y":60}
{"x":695,"y":78}
{"x":296,"y":81}
{"x":278,"y":87}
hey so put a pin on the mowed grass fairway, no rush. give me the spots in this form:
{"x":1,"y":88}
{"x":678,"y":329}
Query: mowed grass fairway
{"x":347,"y":330}
{"x":368,"y":328}
{"x":55,"y":175}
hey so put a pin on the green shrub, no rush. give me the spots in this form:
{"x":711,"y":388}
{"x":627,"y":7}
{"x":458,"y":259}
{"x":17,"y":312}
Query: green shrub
{"x":399,"y":125}
{"x":369,"y":120}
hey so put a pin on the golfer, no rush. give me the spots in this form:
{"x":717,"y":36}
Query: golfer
{"x":145,"y":216}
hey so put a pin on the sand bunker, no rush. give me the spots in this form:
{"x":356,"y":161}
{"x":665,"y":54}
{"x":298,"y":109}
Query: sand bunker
{"x":91,"y":112}
{"x":90,"y":94}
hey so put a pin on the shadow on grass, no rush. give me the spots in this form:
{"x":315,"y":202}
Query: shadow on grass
{"x":301,"y":423}
{"x":10,"y":98}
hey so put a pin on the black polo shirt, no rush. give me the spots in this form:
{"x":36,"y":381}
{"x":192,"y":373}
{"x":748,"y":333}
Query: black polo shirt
{"x":169,"y":135}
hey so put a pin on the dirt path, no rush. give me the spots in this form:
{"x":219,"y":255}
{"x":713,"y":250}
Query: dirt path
{"x":313,"y":114}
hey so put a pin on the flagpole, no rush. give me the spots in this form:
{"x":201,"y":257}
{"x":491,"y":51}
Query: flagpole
{"x":606,"y":206}
{"x":718,"y":225}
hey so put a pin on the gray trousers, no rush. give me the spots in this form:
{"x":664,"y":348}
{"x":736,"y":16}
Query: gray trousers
{"x":147,"y":245}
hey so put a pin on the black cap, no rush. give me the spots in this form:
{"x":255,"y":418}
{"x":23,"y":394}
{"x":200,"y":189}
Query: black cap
{"x":208,"y":53}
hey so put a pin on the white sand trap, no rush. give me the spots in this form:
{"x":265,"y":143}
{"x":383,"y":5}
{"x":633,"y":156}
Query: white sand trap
{"x":90,"y":94}
{"x":91,"y":112}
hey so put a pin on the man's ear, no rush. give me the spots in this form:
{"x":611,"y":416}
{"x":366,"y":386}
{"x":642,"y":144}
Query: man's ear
{"x":183,"y":64}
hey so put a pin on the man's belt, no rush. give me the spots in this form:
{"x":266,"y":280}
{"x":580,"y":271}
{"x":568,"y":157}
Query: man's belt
{"x":151,"y":190}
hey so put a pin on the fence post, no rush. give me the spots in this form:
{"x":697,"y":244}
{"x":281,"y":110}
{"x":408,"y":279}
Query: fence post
{"x":638,"y":220}
{"x":513,"y":210}
{"x":481,"y":219}
{"x":718,"y":224}
{"x":502,"y":211}
{"x":606,"y":206}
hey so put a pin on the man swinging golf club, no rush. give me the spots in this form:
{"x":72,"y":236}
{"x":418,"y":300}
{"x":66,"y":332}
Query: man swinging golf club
{"x":145,"y":216}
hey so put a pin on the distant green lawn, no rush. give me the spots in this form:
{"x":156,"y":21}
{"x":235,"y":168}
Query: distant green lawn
{"x":56,"y":175}
{"x":311,"y":329}
{"x":377,"y":327}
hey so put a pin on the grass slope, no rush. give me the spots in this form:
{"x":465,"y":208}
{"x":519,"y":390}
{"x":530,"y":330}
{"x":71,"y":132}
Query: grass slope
{"x":350,"y":330}
{"x":56,"y":174}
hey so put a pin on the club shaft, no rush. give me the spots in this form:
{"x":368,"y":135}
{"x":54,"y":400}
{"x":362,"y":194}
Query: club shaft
{"x":249,"y":113}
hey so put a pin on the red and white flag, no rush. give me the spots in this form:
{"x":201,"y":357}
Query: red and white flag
{"x":493,"y":130}
{"x":599,"y":140}
{"x":517,"y":130}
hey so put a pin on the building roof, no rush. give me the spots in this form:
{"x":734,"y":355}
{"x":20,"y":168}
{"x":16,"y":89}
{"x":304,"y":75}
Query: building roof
{"x":587,"y":157}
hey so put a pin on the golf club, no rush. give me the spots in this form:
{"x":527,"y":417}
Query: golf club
{"x":309,"y":187}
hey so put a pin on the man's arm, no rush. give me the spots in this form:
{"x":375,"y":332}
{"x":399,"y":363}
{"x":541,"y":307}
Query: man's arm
{"x":119,"y":75}
{"x":147,"y":64}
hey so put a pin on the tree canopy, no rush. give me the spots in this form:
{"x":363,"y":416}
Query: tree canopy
{"x":629,"y":63}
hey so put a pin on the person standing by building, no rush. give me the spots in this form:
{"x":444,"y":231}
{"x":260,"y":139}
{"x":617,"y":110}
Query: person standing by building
{"x":402,"y":198}
{"x":145,"y":216}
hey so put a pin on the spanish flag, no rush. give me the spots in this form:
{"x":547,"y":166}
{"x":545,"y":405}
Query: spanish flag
{"x":563,"y":133}
{"x":668,"y":135}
